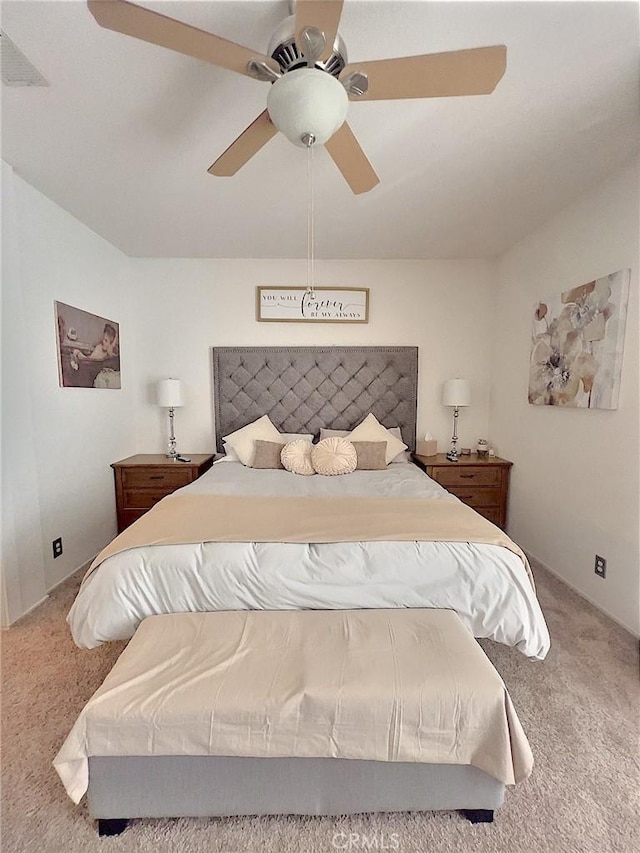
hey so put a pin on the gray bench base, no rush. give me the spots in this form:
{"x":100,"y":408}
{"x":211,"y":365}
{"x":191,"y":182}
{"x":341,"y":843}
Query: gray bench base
{"x":218,"y":786}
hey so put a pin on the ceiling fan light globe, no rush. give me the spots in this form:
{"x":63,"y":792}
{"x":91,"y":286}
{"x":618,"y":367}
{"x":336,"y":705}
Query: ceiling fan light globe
{"x":307,"y":102}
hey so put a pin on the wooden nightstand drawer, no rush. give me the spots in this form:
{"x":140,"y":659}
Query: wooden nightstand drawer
{"x":469,"y":475}
{"x":482,"y":483}
{"x":164,"y":478}
{"x":476,"y":497}
{"x":128,"y":516}
{"x":141,"y":481}
{"x":143,"y":498}
{"x":493,"y":513}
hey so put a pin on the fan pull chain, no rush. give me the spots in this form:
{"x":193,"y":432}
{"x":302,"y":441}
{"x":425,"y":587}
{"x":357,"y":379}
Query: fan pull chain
{"x":310,"y":218}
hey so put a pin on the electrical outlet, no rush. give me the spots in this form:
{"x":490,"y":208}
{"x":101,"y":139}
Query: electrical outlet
{"x":57,"y":547}
{"x":600,"y":567}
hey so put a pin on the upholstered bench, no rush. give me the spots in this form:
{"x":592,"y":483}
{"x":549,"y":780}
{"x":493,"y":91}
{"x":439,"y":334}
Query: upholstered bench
{"x":296,"y":712}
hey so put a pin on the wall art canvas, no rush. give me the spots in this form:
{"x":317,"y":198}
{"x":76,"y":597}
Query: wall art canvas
{"x":577,"y":344}
{"x":88,"y":349}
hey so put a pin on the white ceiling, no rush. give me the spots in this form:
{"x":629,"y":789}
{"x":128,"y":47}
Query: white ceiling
{"x":124,"y":135}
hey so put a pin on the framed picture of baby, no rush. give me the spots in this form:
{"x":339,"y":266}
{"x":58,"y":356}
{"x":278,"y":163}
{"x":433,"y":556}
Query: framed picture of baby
{"x":88,"y":349}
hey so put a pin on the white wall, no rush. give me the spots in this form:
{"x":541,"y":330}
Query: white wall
{"x":23,"y":574}
{"x":575,"y":481}
{"x":57,"y":443}
{"x":181,"y":308}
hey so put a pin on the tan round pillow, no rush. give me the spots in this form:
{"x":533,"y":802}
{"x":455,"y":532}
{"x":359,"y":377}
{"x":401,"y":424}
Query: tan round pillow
{"x":296,"y":457}
{"x":333,"y":456}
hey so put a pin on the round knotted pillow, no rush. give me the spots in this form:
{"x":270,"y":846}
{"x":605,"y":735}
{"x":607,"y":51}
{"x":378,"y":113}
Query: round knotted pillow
{"x":334,"y":456}
{"x":296,"y":457}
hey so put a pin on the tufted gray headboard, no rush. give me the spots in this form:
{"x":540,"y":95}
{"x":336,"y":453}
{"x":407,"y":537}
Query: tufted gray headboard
{"x":305,"y":388}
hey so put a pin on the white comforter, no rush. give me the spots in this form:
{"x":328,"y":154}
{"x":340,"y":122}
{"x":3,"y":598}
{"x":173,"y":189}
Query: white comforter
{"x":486,"y":585}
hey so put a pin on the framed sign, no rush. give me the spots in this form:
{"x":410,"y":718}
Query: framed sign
{"x":322,"y":305}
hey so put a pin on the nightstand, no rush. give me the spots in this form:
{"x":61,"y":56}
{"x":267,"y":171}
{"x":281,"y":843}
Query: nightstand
{"x":142,"y":480}
{"x":482,"y":483}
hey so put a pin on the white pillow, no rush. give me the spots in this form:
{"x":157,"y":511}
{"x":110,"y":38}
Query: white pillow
{"x":229,"y":453}
{"x":296,"y":457}
{"x":242,"y":440}
{"x":403,"y":456}
{"x":286,"y":437}
{"x":372,"y":430}
{"x":333,"y":456}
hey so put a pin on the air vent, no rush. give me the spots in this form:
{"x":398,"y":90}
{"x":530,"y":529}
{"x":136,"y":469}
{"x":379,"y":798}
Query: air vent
{"x":16,"y":68}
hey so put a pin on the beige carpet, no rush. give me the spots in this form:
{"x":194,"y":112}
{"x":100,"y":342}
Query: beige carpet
{"x":579,"y":709}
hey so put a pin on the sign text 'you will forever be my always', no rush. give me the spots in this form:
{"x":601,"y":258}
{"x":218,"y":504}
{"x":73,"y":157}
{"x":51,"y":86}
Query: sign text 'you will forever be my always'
{"x":322,"y":305}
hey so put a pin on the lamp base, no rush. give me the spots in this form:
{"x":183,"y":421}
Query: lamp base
{"x":452,"y":455}
{"x":172,"y":452}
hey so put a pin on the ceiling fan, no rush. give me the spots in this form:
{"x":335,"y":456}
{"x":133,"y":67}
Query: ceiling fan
{"x":311,"y":81}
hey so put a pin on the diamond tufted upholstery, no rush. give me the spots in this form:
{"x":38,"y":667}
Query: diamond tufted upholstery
{"x":305,"y":388}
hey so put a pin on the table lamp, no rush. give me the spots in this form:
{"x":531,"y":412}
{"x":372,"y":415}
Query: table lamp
{"x":170,"y":397}
{"x":455,"y":393}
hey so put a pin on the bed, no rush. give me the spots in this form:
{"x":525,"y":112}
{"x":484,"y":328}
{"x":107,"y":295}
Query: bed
{"x":485,"y":582}
{"x":487,"y":585}
{"x":303,"y":390}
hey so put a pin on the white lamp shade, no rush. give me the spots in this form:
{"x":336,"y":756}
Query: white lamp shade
{"x":170,"y":393}
{"x":307,"y":101}
{"x":456,"y":392}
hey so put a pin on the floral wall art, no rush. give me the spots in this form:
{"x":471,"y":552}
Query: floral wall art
{"x":576,"y":347}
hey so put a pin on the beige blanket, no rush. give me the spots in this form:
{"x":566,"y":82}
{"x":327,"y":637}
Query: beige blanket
{"x":386,"y":685}
{"x":181,"y":519}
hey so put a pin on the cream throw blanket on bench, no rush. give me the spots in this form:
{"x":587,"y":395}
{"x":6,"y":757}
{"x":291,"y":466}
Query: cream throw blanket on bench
{"x":184,"y":519}
{"x":383,"y":685}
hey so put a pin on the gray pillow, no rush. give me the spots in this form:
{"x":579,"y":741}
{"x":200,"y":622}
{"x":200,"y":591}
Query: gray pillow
{"x":372,"y":455}
{"x":333,"y":433}
{"x":267,"y":454}
{"x":403,"y":456}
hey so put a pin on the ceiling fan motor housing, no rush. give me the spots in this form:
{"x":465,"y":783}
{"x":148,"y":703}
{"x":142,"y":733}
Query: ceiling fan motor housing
{"x":283,"y":48}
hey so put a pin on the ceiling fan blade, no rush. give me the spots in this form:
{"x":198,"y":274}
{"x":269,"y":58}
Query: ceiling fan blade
{"x":144,"y":24}
{"x":250,"y":141}
{"x":313,"y":44}
{"x":323,"y":15}
{"x":435,"y":75}
{"x":351,"y":160}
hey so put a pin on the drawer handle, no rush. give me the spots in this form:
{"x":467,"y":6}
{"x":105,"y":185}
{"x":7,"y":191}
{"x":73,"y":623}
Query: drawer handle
{"x":467,"y":476}
{"x":466,"y":497}
{"x":157,"y":477}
